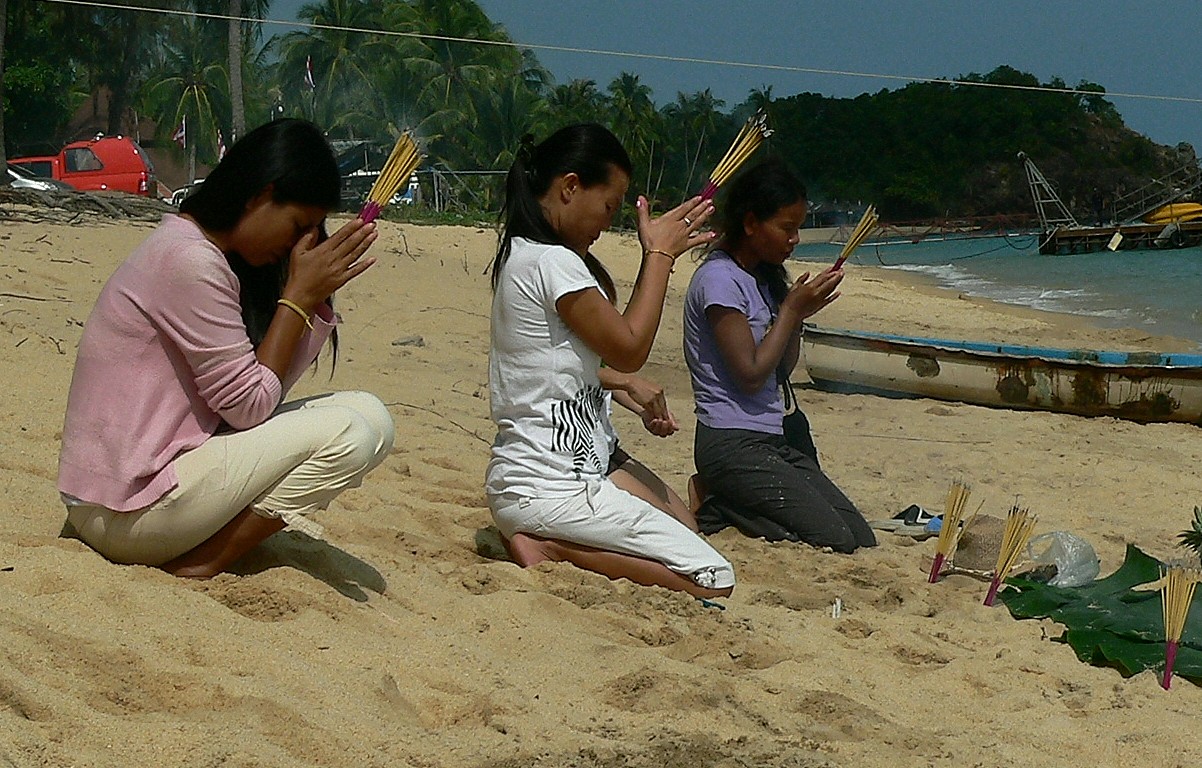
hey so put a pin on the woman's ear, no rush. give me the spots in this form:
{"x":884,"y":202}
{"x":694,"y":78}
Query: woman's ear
{"x":569,"y":184}
{"x":749,"y":223}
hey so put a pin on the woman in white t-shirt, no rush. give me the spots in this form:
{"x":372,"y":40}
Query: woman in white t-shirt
{"x":552,"y":327}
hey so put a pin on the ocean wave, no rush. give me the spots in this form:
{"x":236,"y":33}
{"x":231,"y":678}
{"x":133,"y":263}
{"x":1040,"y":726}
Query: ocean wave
{"x":1073,"y":301}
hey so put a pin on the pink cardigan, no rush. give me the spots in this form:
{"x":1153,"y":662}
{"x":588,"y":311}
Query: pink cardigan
{"x":163,"y":361}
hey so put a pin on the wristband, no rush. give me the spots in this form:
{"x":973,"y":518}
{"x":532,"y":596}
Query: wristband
{"x":296,"y":308}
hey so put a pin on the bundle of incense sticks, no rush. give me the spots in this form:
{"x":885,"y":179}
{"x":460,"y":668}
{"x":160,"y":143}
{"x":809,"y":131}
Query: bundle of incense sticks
{"x":401,"y":163}
{"x":1019,"y":523}
{"x":1176,"y":594}
{"x":949,"y":533}
{"x":750,"y":135}
{"x":866,"y":225}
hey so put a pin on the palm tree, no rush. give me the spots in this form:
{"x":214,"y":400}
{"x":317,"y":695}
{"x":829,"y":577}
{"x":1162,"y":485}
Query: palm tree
{"x":122,"y":42}
{"x":239,"y":32}
{"x":634,"y":119}
{"x":577,"y":101}
{"x":698,"y":119}
{"x":460,"y":78}
{"x":190,"y":82}
{"x":513,"y":106}
{"x":343,"y":78}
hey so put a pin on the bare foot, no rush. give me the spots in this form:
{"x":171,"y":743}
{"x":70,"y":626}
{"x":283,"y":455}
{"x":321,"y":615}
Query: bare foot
{"x":190,"y":572}
{"x":527,"y":550}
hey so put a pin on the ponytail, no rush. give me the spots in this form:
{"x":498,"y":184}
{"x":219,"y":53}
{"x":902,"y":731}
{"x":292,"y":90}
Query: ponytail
{"x":588,"y":150}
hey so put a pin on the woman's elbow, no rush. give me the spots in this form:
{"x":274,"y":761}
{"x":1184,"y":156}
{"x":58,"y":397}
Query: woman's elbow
{"x":748,"y":382}
{"x":239,"y":420}
{"x":626,"y":364}
{"x":627,"y":360}
{"x":245,"y":415}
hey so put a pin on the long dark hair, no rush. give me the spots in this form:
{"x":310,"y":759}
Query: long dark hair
{"x":296,"y":160}
{"x":761,"y":190}
{"x":588,"y":150}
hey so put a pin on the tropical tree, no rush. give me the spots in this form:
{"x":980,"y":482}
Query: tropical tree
{"x":240,"y":32}
{"x":460,"y":78}
{"x":342,"y":69}
{"x":117,"y":45}
{"x":577,"y":101}
{"x":514,"y":106}
{"x":190,"y":85}
{"x":39,"y":75}
{"x":697,"y":120}
{"x":634,"y":120}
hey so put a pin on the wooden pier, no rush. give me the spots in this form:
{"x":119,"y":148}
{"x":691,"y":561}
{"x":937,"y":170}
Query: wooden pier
{"x":1135,"y":236}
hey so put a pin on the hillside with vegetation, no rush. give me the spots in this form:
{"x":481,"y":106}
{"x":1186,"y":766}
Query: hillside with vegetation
{"x":925,"y":150}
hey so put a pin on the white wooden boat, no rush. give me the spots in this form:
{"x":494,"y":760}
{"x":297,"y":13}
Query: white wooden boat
{"x":1141,"y":386}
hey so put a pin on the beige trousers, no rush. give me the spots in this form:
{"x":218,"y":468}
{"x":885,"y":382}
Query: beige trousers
{"x":290,"y":466}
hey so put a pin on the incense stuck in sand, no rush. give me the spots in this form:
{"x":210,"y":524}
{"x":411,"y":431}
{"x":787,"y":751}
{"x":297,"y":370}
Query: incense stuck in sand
{"x":949,"y":533}
{"x":1176,"y":594}
{"x":1019,"y":524}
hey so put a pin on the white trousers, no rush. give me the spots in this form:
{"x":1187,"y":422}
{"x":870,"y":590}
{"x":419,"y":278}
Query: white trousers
{"x":604,"y":516}
{"x":291,"y":465}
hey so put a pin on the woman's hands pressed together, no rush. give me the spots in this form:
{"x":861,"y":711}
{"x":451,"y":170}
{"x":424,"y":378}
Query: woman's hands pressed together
{"x":317,"y":270}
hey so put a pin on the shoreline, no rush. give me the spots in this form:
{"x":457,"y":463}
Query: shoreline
{"x":1063,"y":327}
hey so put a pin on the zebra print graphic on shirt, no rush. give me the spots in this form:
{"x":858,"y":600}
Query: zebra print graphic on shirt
{"x":574,"y":422}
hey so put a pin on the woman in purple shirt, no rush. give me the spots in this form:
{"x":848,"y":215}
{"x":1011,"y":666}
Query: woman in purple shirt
{"x":176,"y":450}
{"x":743,"y":325}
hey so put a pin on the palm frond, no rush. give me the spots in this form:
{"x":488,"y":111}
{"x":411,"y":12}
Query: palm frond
{"x":1192,"y":539}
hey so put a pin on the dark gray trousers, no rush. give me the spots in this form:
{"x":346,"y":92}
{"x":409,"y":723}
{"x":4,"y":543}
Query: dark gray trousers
{"x":766,"y":488}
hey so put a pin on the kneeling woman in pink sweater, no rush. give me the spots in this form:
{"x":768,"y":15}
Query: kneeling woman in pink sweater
{"x":176,"y":451}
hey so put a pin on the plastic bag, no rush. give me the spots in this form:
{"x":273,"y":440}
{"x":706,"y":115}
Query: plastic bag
{"x":1075,"y":560}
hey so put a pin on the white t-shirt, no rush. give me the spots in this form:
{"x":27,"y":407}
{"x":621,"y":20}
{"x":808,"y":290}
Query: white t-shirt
{"x":545,"y":396}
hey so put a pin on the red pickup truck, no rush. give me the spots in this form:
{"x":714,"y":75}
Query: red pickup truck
{"x":103,"y":163}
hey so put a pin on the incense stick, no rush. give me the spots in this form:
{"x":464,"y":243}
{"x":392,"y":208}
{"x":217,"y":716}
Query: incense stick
{"x":401,"y":163}
{"x":750,"y":135}
{"x":1176,"y":594}
{"x":949,"y":532}
{"x":867,"y":224}
{"x":1019,"y":523}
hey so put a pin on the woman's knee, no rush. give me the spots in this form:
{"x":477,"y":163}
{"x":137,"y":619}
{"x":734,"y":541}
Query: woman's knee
{"x":374,"y":413}
{"x":357,"y":444}
{"x":368,"y":430}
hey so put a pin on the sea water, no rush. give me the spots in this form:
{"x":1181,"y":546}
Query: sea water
{"x":1156,"y":291}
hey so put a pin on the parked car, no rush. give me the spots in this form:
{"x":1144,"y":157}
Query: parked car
{"x":103,"y":163}
{"x":181,"y":194}
{"x":20,"y":178}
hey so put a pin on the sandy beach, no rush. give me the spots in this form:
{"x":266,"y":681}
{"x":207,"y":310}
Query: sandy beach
{"x":395,"y":642}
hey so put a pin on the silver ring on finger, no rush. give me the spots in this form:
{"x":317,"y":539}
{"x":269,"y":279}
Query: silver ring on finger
{"x":688,"y":222}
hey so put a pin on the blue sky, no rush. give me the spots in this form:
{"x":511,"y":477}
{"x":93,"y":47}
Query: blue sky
{"x":1149,"y":48}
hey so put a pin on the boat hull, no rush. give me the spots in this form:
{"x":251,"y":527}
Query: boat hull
{"x":1146,"y":387}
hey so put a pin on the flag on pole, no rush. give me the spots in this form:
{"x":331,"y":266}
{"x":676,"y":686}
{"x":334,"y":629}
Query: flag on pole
{"x":310,"y":83}
{"x":220,"y":145}
{"x":181,"y":133}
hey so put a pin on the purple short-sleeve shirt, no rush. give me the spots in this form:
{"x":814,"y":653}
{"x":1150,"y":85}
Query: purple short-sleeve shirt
{"x":720,"y":403}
